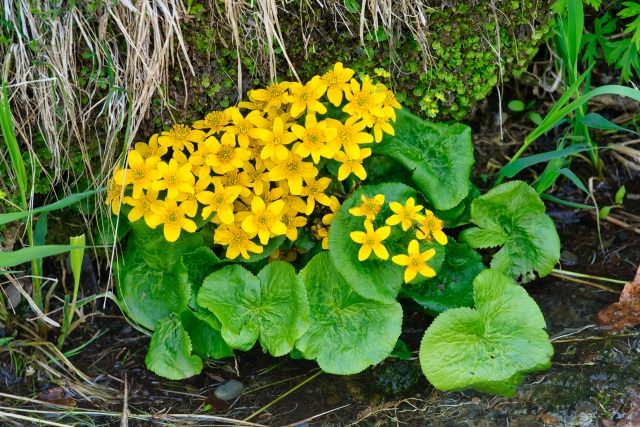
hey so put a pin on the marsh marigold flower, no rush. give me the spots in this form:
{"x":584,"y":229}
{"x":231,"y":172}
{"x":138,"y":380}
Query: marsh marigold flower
{"x":307,"y":97}
{"x":315,"y":191}
{"x":151,"y":149}
{"x":274,"y":95}
{"x":175,"y":179}
{"x":292,"y":203}
{"x":390,"y":103}
{"x":238,"y":242}
{"x":243,"y":127}
{"x":364,"y":102}
{"x":172,"y":215}
{"x":224,"y":155}
{"x":415,"y":262}
{"x":352,"y":164}
{"x":293,"y":169}
{"x":258,"y":175}
{"x":350,"y":135}
{"x":114,"y":195}
{"x":141,"y":173}
{"x":293,"y":222}
{"x":337,"y":81}
{"x":181,"y":136}
{"x":215,"y":121}
{"x":220,"y":201}
{"x":371,"y":240}
{"x":370,"y":207}
{"x":317,"y":139}
{"x":406,"y":214}
{"x":274,"y":141}
{"x":334,"y":206}
{"x":382,"y":125}
{"x":264,"y":220}
{"x":431,"y":228}
{"x":141,"y":206}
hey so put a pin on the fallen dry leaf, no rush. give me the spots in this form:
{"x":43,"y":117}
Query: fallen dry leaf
{"x":57,"y":396}
{"x":624,"y":313}
{"x":547,"y":419}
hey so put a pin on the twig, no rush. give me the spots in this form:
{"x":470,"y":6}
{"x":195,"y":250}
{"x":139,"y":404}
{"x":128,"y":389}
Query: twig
{"x":587,"y":276}
{"x":125,"y":404}
{"x":584,"y":282}
{"x":306,"y":420}
{"x":283,"y":395}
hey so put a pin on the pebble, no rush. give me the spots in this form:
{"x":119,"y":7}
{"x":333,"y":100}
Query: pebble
{"x":229,"y":390}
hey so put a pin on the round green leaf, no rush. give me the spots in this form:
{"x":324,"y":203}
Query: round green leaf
{"x":516,"y":105}
{"x":272,"y":306}
{"x":145,"y":294}
{"x":170,"y":351}
{"x":348,"y":333}
{"x":489,"y":348}
{"x":440,"y":157}
{"x":512,"y":215}
{"x":372,"y":278}
{"x":204,"y":331}
{"x":453,"y":285}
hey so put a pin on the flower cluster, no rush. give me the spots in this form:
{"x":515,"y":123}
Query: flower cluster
{"x":256,"y":170}
{"x":430,"y":103}
{"x":427,"y":227}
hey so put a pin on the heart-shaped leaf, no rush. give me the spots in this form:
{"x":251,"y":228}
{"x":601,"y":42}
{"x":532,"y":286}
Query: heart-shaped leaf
{"x":170,"y":351}
{"x":512,"y":215}
{"x":272,"y":306}
{"x":348,"y":333}
{"x":490,"y":348}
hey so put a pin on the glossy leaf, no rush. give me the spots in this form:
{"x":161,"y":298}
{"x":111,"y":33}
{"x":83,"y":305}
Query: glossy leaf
{"x":489,"y":348}
{"x":347,"y":332}
{"x":170,"y":351}
{"x":271,"y":307}
{"x":204,"y":331}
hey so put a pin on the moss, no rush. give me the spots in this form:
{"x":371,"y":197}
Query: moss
{"x":399,"y":378}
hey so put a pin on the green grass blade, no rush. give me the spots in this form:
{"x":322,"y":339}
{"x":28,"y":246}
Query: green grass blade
{"x":511,"y":169}
{"x":574,"y":178}
{"x":564,"y":202}
{"x":574,"y":34}
{"x":63,"y":203}
{"x":10,"y":259}
{"x":6,"y":124}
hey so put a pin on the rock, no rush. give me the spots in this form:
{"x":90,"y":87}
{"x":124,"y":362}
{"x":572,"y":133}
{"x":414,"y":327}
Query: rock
{"x":624,"y":313}
{"x":229,"y":390}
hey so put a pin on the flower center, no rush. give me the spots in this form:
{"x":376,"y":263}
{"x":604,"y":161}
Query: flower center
{"x":264,"y":219}
{"x":346,"y":135}
{"x":225,"y":153}
{"x":274,"y":91}
{"x":237,"y":239}
{"x":173,"y":180}
{"x":179,"y":132}
{"x":172,"y":217}
{"x":371,"y":240}
{"x":331,"y":78}
{"x":138,"y":173}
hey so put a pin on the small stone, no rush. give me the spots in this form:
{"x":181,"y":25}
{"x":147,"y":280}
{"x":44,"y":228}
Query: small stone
{"x":229,"y":390}
{"x":332,"y":400}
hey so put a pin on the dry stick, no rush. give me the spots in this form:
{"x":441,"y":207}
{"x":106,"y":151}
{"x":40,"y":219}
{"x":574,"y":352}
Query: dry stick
{"x":306,"y":420}
{"x":584,"y":282}
{"x":587,"y":276}
{"x":284,"y":395}
{"x":34,"y":420}
{"x":125,"y":404}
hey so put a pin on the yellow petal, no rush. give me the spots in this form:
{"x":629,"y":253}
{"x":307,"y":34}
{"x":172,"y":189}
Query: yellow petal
{"x":357,"y":236}
{"x":401,"y":259}
{"x":171,"y":233}
{"x":364,"y":253}
{"x":440,"y":237}
{"x":383,"y":232}
{"x":409,"y":275}
{"x":381,"y":252}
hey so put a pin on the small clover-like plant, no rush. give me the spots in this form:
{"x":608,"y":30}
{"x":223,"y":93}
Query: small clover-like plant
{"x":300,"y":219}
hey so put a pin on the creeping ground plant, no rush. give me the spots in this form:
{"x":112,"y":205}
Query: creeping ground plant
{"x":301,"y":218}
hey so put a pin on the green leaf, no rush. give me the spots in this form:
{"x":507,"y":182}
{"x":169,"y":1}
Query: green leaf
{"x":401,"y":351}
{"x":514,"y":211}
{"x":619,"y":198}
{"x":604,"y":212}
{"x":439,"y":156}
{"x":536,"y":118}
{"x":372,"y":278}
{"x":170,"y":351}
{"x":379,"y":168}
{"x":156,"y":251}
{"x":516,"y":105}
{"x":348,"y":333}
{"x":490,"y":348}
{"x":147,"y":295}
{"x":106,"y":232}
{"x":63,"y":203}
{"x":453,"y":285}
{"x":596,"y":121}
{"x":204,"y":331}
{"x":10,"y":259}
{"x":272,"y":306}
{"x":198,"y":265}
{"x":459,"y":215}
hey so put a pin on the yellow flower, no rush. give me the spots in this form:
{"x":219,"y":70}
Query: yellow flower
{"x":253,"y":103}
{"x":292,"y":203}
{"x":323,"y":233}
{"x":315,"y":191}
{"x":181,"y":136}
{"x":405,"y":214}
{"x":293,"y":169}
{"x":352,"y":164}
{"x":307,"y":96}
{"x":220,"y":202}
{"x":114,"y":195}
{"x":224,"y":156}
{"x":382,"y":124}
{"x":152,"y":149}
{"x":175,"y":179}
{"x":243,"y":126}
{"x":293,"y":222}
{"x":274,"y":141}
{"x":264,"y":220}
{"x":282,"y":255}
{"x":349,"y":135}
{"x":215,"y":121}
{"x":268,"y":121}
{"x":336,"y":80}
{"x":415,"y":262}
{"x":364,"y":103}
{"x":141,"y":205}
{"x":172,"y":215}
{"x":371,"y":241}
{"x":190,"y":201}
{"x":334,"y":206}
{"x":318,"y":139}
{"x":390,"y":104}
{"x":431,"y":228}
{"x":196,"y":160}
{"x":141,"y":173}
{"x":370,"y":207}
{"x":258,"y":176}
{"x":238,"y":241}
{"x":274,"y":95}
{"x":235,"y":178}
